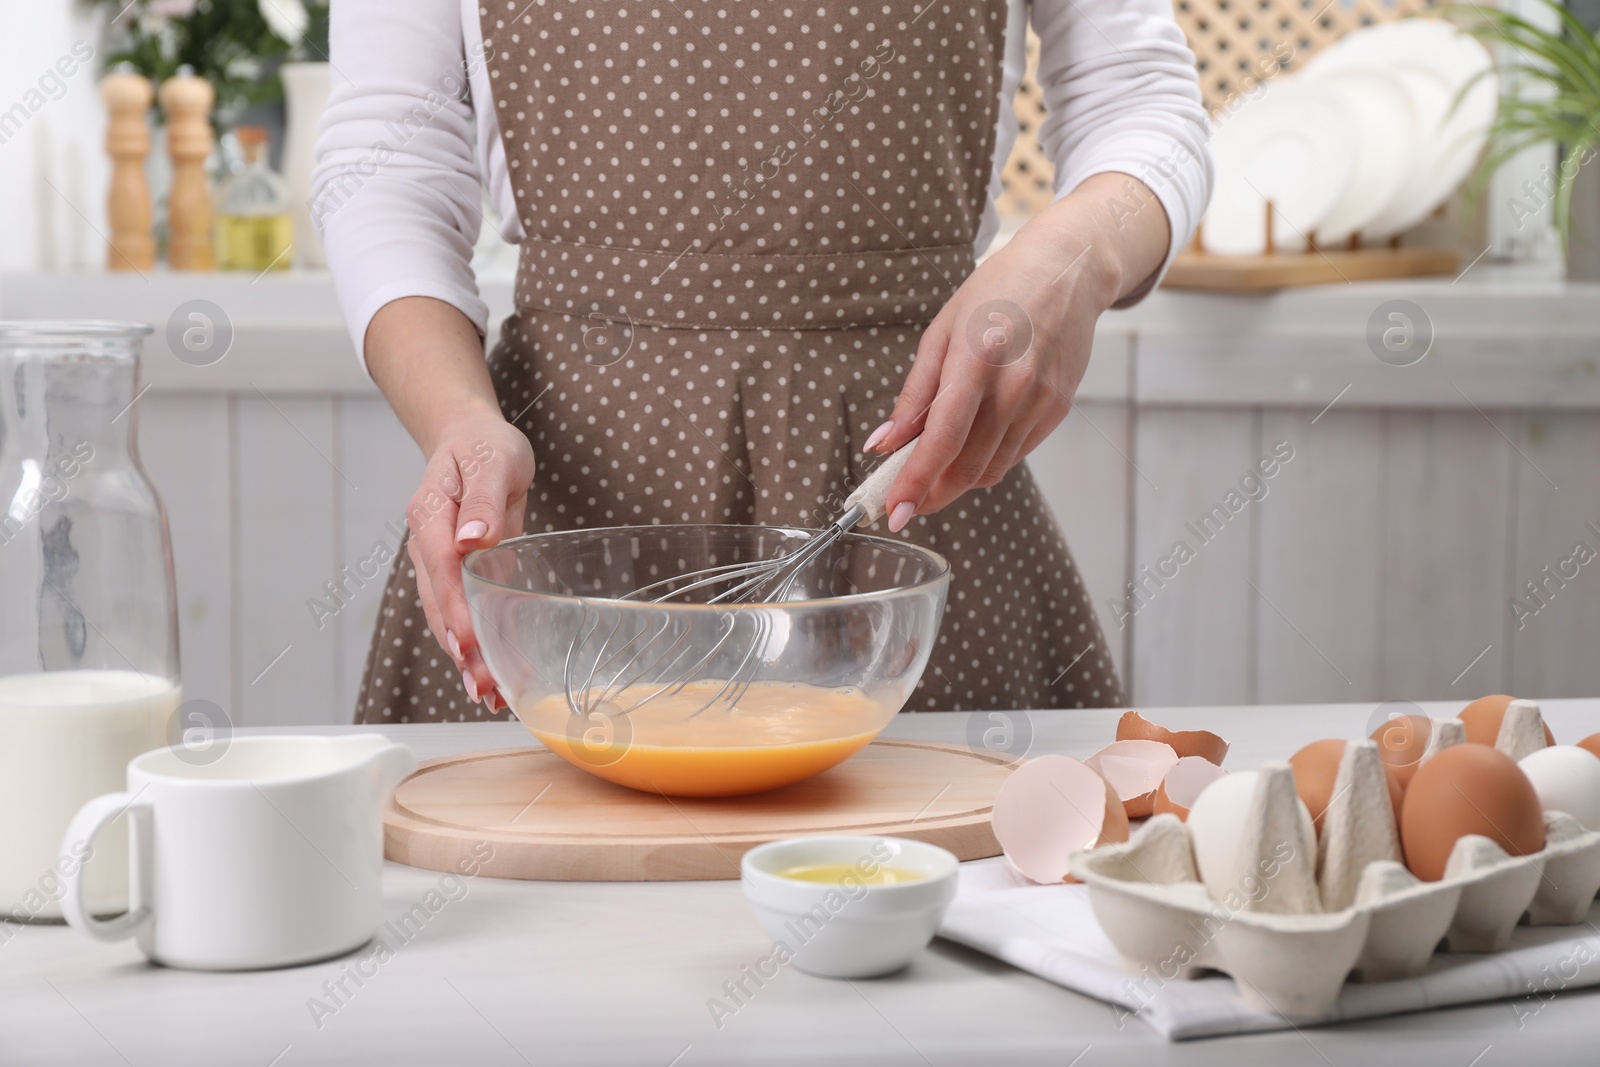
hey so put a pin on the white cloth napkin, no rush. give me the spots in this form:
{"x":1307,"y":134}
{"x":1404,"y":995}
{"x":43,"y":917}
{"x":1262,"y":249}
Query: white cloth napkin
{"x":1050,"y":931}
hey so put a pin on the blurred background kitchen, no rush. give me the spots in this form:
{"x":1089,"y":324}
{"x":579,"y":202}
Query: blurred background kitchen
{"x":1348,"y":452}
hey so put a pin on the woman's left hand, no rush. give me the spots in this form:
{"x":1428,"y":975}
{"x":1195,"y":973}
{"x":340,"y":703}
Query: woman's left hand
{"x":998,"y":367}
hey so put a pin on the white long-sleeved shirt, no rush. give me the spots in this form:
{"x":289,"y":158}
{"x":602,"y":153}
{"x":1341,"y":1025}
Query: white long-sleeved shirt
{"x":410,"y":136}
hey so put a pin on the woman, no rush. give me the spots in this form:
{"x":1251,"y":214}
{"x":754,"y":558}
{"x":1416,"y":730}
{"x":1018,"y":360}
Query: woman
{"x":747,"y":235}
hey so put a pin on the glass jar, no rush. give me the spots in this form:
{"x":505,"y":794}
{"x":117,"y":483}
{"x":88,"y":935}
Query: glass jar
{"x":88,"y":621}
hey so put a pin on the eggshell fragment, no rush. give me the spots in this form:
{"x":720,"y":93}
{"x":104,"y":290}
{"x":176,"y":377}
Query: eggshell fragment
{"x":1203,"y":743}
{"x":1051,"y":807}
{"x":1402,"y":742}
{"x":1184,"y":783}
{"x":1567,"y":778}
{"x":1135,"y":770}
{"x":1467,"y":789}
{"x":1482,"y":719}
{"x":1316,"y":771}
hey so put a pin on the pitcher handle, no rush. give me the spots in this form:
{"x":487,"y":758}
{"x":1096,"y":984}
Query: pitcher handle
{"x":85,"y":825}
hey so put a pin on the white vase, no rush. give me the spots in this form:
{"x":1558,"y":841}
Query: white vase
{"x":305,"y":95}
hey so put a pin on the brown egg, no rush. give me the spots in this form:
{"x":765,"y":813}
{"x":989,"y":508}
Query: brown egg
{"x":1402,"y":741}
{"x":1482,"y":719}
{"x":1316,"y":767}
{"x":1592,"y":743}
{"x":1135,"y":727}
{"x":1468,"y":789}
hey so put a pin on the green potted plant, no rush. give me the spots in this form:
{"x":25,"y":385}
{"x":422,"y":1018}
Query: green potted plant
{"x":236,"y":45}
{"x":1554,"y":75}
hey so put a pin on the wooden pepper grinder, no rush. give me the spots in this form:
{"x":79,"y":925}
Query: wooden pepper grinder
{"x":128,"y":96}
{"x":187,"y":101}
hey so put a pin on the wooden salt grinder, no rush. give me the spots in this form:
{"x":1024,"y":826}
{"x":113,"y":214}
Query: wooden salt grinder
{"x":187,"y":101}
{"x":128,"y":96}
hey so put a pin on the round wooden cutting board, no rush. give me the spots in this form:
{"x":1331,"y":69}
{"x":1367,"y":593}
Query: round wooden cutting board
{"x":527,"y":813}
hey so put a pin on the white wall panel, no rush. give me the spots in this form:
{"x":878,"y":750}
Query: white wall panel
{"x":1194,"y":622}
{"x":1555,"y":646}
{"x":1083,"y":471}
{"x":384,"y":464}
{"x":187,"y":447}
{"x":1447,"y":521}
{"x":1318,"y":566}
{"x":286,"y":481}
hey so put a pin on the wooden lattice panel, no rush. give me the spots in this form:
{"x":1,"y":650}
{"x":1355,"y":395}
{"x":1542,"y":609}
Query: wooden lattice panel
{"x":1239,"y":42}
{"x":1028,"y":181}
{"x":1233,"y":42}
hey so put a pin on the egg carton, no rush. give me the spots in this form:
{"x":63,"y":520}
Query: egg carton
{"x":1308,"y":915}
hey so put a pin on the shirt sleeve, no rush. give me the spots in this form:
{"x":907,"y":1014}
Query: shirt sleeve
{"x":396,"y":193}
{"x":1121,"y":95}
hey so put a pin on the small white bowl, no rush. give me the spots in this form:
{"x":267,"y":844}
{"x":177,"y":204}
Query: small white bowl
{"x":849,"y":930}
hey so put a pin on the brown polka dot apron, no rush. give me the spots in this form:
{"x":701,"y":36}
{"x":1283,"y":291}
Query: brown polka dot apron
{"x":740,"y":217}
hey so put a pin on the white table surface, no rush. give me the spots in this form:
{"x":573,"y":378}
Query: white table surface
{"x":555,"y":973}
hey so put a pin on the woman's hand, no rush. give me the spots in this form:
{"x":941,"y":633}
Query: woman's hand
{"x":428,"y":359}
{"x":997,"y":369}
{"x":473,"y":495}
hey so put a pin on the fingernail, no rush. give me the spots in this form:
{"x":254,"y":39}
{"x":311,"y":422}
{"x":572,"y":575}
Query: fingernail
{"x":455,"y":646}
{"x":901,"y":515}
{"x":878,"y":435}
{"x":471,"y":684}
{"x":472,"y":531}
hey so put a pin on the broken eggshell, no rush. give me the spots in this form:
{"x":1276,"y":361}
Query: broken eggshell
{"x":1203,"y":743}
{"x":1184,"y":783}
{"x":1135,"y":770}
{"x":1051,"y":807}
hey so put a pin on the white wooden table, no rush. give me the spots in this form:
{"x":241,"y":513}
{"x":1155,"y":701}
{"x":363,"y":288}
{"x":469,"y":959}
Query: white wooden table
{"x":556,"y":973}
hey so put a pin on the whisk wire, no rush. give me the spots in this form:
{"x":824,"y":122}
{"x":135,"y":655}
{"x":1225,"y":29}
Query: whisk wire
{"x":760,"y":581}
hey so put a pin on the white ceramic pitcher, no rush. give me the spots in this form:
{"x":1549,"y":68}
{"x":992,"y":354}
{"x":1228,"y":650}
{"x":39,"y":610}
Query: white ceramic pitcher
{"x":267,"y":856}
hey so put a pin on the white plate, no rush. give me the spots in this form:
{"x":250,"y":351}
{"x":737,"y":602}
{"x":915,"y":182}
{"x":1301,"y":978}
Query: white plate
{"x":1419,"y":193}
{"x":1452,"y":140}
{"x":1293,"y":145}
{"x":1386,"y":149}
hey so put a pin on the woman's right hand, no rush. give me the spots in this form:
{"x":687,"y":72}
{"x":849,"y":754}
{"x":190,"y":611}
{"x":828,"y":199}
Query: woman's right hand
{"x":473,"y":495}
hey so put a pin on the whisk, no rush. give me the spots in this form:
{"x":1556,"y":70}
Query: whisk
{"x":651,"y":654}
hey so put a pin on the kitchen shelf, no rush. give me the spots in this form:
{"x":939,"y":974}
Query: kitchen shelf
{"x":1503,"y":337}
{"x":1381,"y":563}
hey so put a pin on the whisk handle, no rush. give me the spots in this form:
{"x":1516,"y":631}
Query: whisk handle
{"x":872,"y":495}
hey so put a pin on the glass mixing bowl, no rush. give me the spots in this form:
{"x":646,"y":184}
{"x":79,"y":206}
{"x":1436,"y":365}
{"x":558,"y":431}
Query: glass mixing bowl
{"x":692,"y":698}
